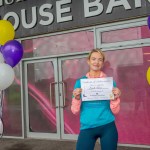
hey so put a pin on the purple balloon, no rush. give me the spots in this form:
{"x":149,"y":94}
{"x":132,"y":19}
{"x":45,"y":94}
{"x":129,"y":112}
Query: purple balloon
{"x":0,"y":47}
{"x":148,"y":21}
{"x":12,"y":52}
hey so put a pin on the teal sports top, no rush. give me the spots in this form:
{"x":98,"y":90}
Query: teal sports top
{"x":94,"y":113}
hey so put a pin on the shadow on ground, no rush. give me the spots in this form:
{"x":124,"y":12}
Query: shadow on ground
{"x":19,"y":146}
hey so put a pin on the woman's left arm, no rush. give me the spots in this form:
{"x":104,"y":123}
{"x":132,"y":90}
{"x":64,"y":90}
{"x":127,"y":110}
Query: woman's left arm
{"x":115,"y":104}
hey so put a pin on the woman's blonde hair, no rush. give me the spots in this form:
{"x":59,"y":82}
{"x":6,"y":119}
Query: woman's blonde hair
{"x":96,"y":50}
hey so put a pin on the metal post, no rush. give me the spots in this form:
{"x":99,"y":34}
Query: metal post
{"x":1,"y":107}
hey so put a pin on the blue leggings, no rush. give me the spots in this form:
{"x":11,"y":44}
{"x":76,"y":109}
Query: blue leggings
{"x":108,"y":137}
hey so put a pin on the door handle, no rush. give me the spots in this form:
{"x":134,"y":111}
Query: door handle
{"x":64,"y":94}
{"x":50,"y":90}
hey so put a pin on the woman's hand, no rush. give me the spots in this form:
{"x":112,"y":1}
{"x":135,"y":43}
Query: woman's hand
{"x":76,"y":93}
{"x":116,"y":92}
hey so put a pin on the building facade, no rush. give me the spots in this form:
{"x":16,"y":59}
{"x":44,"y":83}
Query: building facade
{"x":56,"y":36}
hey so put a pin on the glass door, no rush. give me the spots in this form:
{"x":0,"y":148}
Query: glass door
{"x":70,"y":69}
{"x":41,"y":98}
{"x":48,"y":95}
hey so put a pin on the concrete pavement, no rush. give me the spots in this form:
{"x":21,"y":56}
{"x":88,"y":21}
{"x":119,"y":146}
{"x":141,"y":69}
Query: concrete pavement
{"x":44,"y":144}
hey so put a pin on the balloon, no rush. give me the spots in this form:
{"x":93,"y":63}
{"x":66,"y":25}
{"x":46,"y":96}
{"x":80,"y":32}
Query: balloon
{"x":1,"y":128}
{"x":1,"y":58}
{"x":7,"y":31}
{"x":148,"y":22}
{"x":1,"y":47}
{"x":12,"y":52}
{"x":148,"y":75}
{"x":7,"y":76}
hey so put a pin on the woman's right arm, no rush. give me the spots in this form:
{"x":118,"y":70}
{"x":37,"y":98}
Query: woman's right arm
{"x":76,"y":100}
{"x":75,"y":106}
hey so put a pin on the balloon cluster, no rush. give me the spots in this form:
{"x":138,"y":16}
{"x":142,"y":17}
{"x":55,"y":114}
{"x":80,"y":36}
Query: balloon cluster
{"x":148,"y":22}
{"x":11,"y":52}
{"x":148,"y":71}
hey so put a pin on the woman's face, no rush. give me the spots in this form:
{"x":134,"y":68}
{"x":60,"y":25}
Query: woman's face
{"x":96,"y":61}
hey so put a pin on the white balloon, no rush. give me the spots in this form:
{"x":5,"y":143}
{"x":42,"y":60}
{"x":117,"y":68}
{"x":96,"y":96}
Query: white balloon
{"x":7,"y":76}
{"x":1,"y":127}
{"x":1,"y":58}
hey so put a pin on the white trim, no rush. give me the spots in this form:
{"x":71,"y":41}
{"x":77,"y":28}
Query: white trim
{"x":39,"y":135}
{"x":118,"y":26}
{"x":143,"y":19}
{"x":22,"y":107}
{"x":84,"y":28}
{"x":12,"y":137}
{"x":22,"y":104}
{"x":36,"y":134}
{"x":95,"y":38}
{"x":63,"y":135}
{"x":126,"y":44}
{"x":26,"y":117}
{"x":56,"y":33}
{"x":133,"y":145}
{"x":125,"y":47}
{"x":54,"y":56}
{"x":121,"y":25}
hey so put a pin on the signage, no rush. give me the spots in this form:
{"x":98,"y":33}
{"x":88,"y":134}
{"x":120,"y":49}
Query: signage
{"x":45,"y":16}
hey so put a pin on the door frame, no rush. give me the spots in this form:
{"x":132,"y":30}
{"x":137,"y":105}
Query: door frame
{"x":59,"y":96}
{"x":26,"y":117}
{"x":60,"y":59}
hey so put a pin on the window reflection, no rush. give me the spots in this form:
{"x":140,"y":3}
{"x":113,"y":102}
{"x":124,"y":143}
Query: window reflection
{"x":59,"y":44}
{"x":129,"y":71}
{"x":40,"y":76}
{"x":128,"y":34}
{"x":11,"y":110}
{"x":71,"y":70}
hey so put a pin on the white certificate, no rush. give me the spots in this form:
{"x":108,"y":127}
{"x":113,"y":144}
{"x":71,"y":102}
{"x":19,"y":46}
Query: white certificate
{"x":97,"y":89}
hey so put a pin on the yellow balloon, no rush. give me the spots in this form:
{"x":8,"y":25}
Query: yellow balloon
{"x":7,"y":31}
{"x":148,"y":75}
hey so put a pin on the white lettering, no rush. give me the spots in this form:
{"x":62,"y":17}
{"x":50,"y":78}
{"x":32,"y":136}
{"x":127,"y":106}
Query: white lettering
{"x":15,"y":16}
{"x":46,"y":14}
{"x":87,"y":6}
{"x":61,"y":11}
{"x":19,"y":0}
{"x":6,"y":2}
{"x":9,"y":2}
{"x":138,"y":3}
{"x":114,"y":3}
{"x":1,"y":3}
{"x":34,"y":18}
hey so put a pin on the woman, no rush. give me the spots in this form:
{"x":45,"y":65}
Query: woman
{"x":96,"y":117}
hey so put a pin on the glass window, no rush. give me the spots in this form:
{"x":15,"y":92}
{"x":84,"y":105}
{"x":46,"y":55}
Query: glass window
{"x":127,"y":34}
{"x":12,"y":107}
{"x":59,"y":44}
{"x":72,"y":70}
{"x":41,"y":104}
{"x":129,"y":68}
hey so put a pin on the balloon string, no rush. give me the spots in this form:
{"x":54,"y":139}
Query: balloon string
{"x":1,"y":102}
{"x":1,"y":108}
